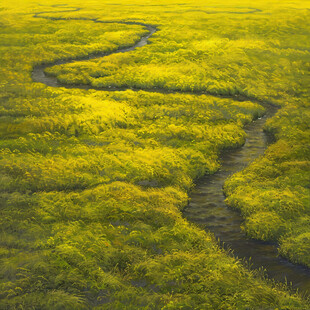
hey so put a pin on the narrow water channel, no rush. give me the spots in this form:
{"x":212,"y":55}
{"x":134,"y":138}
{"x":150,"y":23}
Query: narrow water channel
{"x":207,"y":207}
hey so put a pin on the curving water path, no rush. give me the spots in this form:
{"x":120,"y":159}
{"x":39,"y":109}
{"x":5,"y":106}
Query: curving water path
{"x":207,"y":205}
{"x":207,"y":208}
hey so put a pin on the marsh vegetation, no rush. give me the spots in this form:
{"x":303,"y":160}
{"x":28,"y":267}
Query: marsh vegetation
{"x":93,"y":182}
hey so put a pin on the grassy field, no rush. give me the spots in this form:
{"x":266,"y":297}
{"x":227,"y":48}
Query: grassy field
{"x":93,"y":182}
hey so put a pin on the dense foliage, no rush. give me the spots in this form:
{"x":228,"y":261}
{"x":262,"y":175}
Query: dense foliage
{"x":93,"y":182}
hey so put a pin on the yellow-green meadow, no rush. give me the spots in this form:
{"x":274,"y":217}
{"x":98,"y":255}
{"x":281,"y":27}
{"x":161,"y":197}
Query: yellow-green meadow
{"x":94,"y":181}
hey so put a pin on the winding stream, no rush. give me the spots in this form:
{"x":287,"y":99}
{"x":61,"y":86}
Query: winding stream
{"x":207,"y":206}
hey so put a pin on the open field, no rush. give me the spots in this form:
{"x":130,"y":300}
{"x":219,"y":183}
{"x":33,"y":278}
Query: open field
{"x":93,"y":182}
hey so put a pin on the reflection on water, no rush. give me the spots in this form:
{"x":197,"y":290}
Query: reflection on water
{"x":207,"y":207}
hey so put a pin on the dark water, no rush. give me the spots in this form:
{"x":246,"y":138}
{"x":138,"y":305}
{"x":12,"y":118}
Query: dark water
{"x":207,"y":206}
{"x":38,"y":74}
